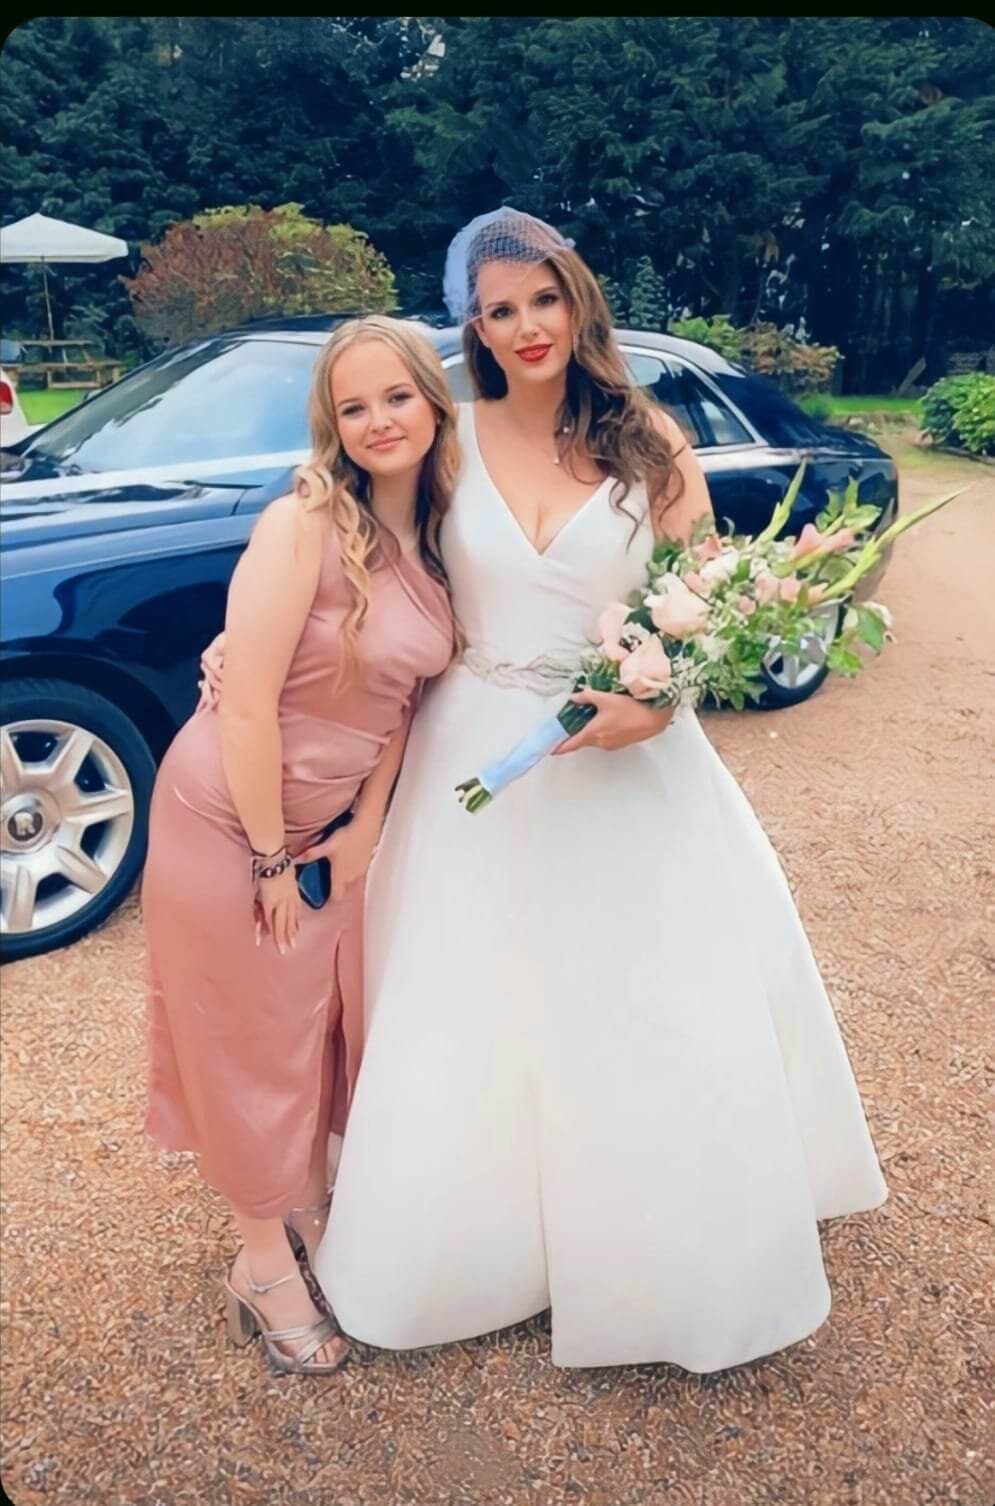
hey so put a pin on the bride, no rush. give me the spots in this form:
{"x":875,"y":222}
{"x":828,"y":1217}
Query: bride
{"x":601,"y":1072}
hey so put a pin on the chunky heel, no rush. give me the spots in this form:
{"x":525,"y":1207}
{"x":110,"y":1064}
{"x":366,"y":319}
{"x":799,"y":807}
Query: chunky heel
{"x":244,"y":1321}
{"x":241,"y":1321}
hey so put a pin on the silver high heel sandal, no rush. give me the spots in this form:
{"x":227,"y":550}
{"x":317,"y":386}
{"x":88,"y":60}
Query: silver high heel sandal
{"x":244,"y":1321}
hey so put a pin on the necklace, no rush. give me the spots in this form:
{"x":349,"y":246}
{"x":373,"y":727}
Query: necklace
{"x":566,"y":429}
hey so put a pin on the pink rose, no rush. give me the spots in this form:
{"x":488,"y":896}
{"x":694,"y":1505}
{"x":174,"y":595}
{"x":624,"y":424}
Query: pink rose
{"x":675,"y":610}
{"x":709,"y":549}
{"x":694,"y":583}
{"x":646,"y":671}
{"x":610,"y":626}
{"x":766,"y":587}
{"x":789,"y":587}
{"x":746,"y":605}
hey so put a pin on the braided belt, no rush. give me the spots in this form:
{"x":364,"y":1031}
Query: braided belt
{"x":544,"y":676}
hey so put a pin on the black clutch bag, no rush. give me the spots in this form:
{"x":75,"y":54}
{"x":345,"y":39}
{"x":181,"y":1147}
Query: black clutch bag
{"x":314,"y":879}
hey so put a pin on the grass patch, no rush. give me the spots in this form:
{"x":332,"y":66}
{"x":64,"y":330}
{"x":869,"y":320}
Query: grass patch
{"x":41,"y":405}
{"x":846,"y":407}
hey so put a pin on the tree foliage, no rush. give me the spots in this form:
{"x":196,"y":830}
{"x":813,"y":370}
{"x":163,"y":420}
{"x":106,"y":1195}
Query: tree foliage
{"x":826,"y":174}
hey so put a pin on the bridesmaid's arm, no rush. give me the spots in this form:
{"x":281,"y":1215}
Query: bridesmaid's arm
{"x":268,"y":604}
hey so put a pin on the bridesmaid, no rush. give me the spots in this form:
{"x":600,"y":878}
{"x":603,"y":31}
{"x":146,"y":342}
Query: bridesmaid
{"x":338,"y":611}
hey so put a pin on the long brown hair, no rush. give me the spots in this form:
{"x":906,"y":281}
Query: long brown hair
{"x":331,"y":480}
{"x":605,"y":415}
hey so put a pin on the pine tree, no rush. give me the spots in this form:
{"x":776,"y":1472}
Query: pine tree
{"x":648,"y":303}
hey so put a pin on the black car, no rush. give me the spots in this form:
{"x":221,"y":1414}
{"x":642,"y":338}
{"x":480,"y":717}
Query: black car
{"x":121,"y":525}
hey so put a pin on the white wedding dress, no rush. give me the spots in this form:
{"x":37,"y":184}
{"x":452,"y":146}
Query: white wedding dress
{"x":602,"y":1074}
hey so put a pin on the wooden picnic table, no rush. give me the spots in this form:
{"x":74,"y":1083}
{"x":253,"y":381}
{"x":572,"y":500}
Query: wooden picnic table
{"x":71,"y":370}
{"x":76,"y":373}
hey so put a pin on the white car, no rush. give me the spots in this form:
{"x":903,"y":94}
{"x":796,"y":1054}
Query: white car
{"x":13,"y":424}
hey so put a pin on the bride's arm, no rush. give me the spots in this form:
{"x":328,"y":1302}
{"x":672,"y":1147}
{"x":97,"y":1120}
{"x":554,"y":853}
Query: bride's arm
{"x":681,"y":500}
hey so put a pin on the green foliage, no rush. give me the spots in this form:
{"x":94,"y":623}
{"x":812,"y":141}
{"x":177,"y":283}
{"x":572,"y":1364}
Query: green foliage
{"x":960,"y":411}
{"x":766,"y":168}
{"x":240,"y":261}
{"x":717,"y":332}
{"x":793,"y":363}
{"x":616,"y":300}
{"x":647,"y":297}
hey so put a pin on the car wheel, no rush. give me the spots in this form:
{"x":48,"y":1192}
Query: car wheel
{"x":76,"y":777}
{"x":791,"y":677}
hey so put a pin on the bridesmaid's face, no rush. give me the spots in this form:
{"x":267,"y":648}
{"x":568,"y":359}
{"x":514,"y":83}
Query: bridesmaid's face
{"x":524,"y":320}
{"x":385,"y":422}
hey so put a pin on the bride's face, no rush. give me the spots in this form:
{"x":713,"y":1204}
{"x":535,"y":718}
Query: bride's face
{"x":524,"y":320}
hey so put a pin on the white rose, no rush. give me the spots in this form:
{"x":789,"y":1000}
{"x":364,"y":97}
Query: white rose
{"x":712,"y":647}
{"x":718,"y":571}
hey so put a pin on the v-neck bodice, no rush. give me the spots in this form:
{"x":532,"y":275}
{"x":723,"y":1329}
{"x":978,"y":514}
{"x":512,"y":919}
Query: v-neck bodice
{"x":474,"y":440}
{"x":516,"y":604}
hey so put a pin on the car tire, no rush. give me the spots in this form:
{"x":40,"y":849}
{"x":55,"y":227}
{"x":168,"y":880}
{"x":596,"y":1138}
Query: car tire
{"x":780,"y":693}
{"x":77,"y":781}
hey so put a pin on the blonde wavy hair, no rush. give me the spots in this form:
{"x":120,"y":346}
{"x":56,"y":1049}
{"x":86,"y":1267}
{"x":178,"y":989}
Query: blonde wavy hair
{"x":331,"y":480}
{"x":608,"y":417}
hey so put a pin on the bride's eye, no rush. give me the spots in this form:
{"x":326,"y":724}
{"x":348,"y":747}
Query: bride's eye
{"x":545,"y":299}
{"x":500,"y":311}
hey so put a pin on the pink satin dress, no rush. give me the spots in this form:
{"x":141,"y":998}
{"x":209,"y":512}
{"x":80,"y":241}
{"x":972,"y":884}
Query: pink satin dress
{"x":240,"y":1037}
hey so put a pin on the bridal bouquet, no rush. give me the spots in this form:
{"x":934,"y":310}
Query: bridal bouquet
{"x":710,"y":612}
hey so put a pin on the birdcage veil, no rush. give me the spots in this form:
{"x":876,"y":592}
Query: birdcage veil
{"x":503,"y":234}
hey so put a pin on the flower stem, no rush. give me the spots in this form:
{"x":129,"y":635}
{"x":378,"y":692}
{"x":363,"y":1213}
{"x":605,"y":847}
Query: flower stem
{"x":572,"y":717}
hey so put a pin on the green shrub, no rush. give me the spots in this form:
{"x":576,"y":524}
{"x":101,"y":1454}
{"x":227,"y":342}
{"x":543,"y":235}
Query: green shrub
{"x":239,"y":262}
{"x":717,"y":333}
{"x":960,"y":411}
{"x":793,"y":364}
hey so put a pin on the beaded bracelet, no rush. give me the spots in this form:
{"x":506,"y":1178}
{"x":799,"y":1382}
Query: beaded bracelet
{"x":270,"y":865}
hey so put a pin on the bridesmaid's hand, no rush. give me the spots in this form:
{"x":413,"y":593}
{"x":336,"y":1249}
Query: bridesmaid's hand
{"x":212,"y":668}
{"x":349,"y":850}
{"x":278,"y":910}
{"x":620,"y":722}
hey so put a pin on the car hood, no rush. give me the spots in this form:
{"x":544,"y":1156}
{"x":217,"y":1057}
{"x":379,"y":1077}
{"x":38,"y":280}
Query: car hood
{"x":103,"y":509}
{"x":26,"y":471}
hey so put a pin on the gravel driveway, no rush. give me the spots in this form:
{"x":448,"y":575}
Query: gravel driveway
{"x":118,"y":1385}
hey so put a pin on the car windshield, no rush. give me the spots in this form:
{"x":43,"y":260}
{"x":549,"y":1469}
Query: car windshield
{"x":219,"y":399}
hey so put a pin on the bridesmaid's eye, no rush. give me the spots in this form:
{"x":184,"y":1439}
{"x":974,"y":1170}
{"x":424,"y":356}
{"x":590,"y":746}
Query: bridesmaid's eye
{"x":545,"y":298}
{"x":401,"y":397}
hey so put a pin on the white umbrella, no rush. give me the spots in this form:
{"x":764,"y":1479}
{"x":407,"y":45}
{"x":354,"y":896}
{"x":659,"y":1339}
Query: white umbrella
{"x":37,"y":238}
